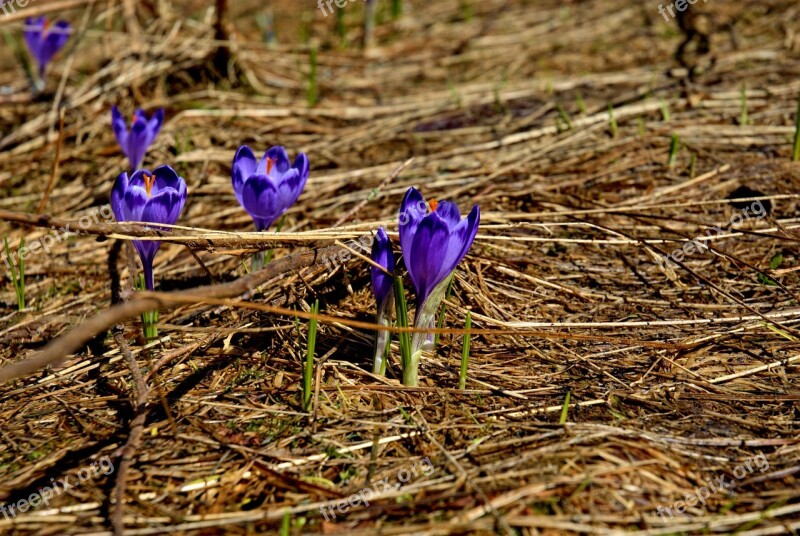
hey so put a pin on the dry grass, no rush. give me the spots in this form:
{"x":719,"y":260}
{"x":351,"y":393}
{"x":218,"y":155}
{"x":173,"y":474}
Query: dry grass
{"x":677,"y":375}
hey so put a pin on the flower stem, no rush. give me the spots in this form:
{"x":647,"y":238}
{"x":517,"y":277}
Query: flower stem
{"x":383,"y":338}
{"x":426,"y":318}
{"x":149,"y":318}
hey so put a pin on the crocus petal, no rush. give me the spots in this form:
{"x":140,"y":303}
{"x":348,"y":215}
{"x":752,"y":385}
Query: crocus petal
{"x":244,"y":165}
{"x":118,"y":196}
{"x":163,"y":208}
{"x":133,"y":203}
{"x":381,"y":254}
{"x":280,"y":162}
{"x":426,"y":254}
{"x":260,"y":200}
{"x":52,"y":41}
{"x":301,"y":165}
{"x":33,"y":35}
{"x":167,"y":178}
{"x":137,"y":179}
{"x":290,"y":186}
{"x":448,"y":211}
{"x":459,"y":242}
{"x":137,"y":143}
{"x":410,"y":216}
{"x":154,"y":125}
{"x":120,"y":127}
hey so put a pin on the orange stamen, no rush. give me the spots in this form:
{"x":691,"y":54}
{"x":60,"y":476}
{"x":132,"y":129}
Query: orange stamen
{"x":149,"y":181}
{"x":434,"y":204}
{"x":270,"y":163}
{"x":133,"y":119}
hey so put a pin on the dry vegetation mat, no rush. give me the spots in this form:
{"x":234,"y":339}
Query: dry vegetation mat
{"x":633,"y":285}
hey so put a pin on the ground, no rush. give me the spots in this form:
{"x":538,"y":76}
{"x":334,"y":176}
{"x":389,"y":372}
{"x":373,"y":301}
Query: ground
{"x":633,"y":286}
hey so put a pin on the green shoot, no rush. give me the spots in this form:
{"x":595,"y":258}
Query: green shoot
{"x":36,"y":84}
{"x":313,"y":92}
{"x":664,"y":110}
{"x":467,"y":13}
{"x":404,"y":337}
{"x":149,"y":318}
{"x":674,"y":145}
{"x":692,"y":163}
{"x":580,"y":103}
{"x":612,"y":121}
{"x":796,"y":152}
{"x":454,"y":93}
{"x":462,"y":377}
{"x":744,"y":119}
{"x":17,"y":276}
{"x":397,"y":8}
{"x":308,"y":371}
{"x":562,"y":113}
{"x":286,"y":523}
{"x":564,"y":410}
{"x":341,"y":28}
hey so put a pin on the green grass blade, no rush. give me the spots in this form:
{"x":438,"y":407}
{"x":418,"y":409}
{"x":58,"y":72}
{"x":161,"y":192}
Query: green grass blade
{"x":462,"y":377}
{"x":744,"y":118}
{"x":674,"y":146}
{"x":308,"y":371}
{"x":564,"y":410}
{"x":612,"y":121}
{"x":404,"y":338}
{"x":286,"y":523}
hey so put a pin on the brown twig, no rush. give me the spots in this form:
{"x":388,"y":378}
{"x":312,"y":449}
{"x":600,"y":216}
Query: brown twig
{"x":58,"y":349}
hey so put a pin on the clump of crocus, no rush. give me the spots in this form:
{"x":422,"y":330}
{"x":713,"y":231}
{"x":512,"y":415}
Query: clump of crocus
{"x":135,"y":142}
{"x":44,"y":41}
{"x":156,"y":197}
{"x":266,"y":189}
{"x":433,"y":239}
{"x":383,"y":289}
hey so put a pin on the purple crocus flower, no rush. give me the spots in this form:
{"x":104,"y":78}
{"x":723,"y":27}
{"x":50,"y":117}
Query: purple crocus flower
{"x":383,"y":288}
{"x":382,"y":255}
{"x":43,"y":42}
{"x":266,"y":189}
{"x":135,"y":142}
{"x":433,"y":243}
{"x":156,"y":197}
